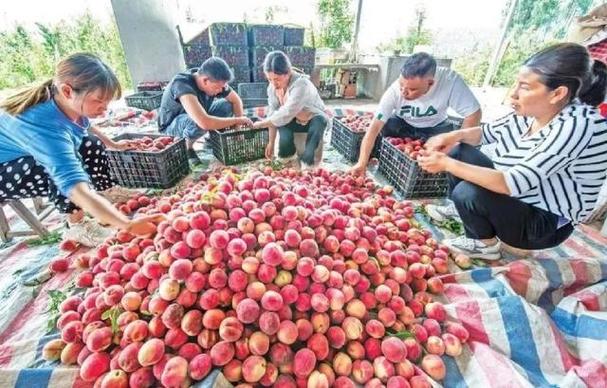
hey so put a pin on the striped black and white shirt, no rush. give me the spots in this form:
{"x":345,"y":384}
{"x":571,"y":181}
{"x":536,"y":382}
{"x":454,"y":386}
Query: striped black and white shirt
{"x":560,"y":168}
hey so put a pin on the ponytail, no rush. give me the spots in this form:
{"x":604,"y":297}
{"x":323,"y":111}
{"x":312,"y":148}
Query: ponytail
{"x":593,"y":91}
{"x":19,"y":102}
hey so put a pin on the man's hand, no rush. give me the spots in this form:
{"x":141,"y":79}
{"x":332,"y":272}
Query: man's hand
{"x":121,"y":145}
{"x":442,"y":143}
{"x":144,"y":226}
{"x":269,"y":151}
{"x":244,"y":121}
{"x":359,"y":169}
{"x":433,"y":161}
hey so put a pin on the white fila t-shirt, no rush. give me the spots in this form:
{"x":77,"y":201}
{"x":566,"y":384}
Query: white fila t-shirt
{"x":448,"y":91}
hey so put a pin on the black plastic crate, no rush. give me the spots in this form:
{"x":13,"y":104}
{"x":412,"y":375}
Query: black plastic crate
{"x":144,"y":100}
{"x":151,"y":86}
{"x":258,"y":54}
{"x":294,"y":36}
{"x":202,"y":39}
{"x":241,"y":75}
{"x":253,"y":90}
{"x":266,"y":35}
{"x":347,"y":142}
{"x":304,"y":69}
{"x":239,"y":146}
{"x":254,"y":102}
{"x":258,"y":76}
{"x":407,"y":177}
{"x":230,"y":34}
{"x":303,"y":56}
{"x":195,"y":55}
{"x":162,"y":169}
{"x":233,"y":55}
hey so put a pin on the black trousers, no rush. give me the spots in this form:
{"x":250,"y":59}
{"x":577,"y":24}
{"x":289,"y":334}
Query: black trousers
{"x":397,"y":127}
{"x":315,"y":129}
{"x":25,"y":178}
{"x":487,"y":214}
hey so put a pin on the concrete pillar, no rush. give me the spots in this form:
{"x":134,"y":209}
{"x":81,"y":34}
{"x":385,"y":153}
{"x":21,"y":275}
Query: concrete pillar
{"x":149,"y":38}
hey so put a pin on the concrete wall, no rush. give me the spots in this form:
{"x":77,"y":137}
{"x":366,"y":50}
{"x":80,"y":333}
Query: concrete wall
{"x":149,"y":38}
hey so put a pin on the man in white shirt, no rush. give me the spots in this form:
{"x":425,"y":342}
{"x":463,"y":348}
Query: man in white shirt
{"x":416,"y":104}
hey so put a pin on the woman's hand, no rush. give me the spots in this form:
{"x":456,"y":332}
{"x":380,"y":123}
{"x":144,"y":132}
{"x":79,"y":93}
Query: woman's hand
{"x":260,"y":124}
{"x":144,"y":226}
{"x":433,"y":161}
{"x":269,"y":151}
{"x":443,"y":142}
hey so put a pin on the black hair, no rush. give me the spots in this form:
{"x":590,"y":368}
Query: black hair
{"x":570,"y":65}
{"x":277,"y":62}
{"x":418,"y":65}
{"x":217,"y":69}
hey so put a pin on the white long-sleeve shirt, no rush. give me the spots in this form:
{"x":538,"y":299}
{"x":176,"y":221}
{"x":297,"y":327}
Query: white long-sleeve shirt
{"x":301,"y":97}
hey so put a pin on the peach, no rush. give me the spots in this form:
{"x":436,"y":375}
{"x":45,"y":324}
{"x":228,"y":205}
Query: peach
{"x":95,"y":365}
{"x":168,"y":289}
{"x":458,"y":330}
{"x":372,"y":348}
{"x":436,"y":310}
{"x":414,"y":349}
{"x":397,"y":382}
{"x":308,"y":248}
{"x":222,"y":352}
{"x":69,"y":354}
{"x":236,"y":247}
{"x":320,"y":274}
{"x":230,"y":329}
{"x":434,"y":366}
{"x":304,"y":362}
{"x":336,"y":337}
{"x":375,"y":328}
{"x":175,"y":372}
{"x":151,"y":352}
{"x":432,"y":327}
{"x":353,"y":328}
{"x":131,"y":301}
{"x":272,"y":301}
{"x":317,"y":379}
{"x":218,"y":278}
{"x":287,"y":332}
{"x":269,"y":322}
{"x":304,"y":329}
{"x":281,"y":355}
{"x":360,"y":256}
{"x":172,"y":315}
{"x":212,"y":319}
{"x":266,"y":273}
{"x":453,"y":346}
{"x":319,"y":344}
{"x":142,"y":378}
{"x":319,"y":302}
{"x":253,"y":369}
{"x":383,"y":293}
{"x":213,"y":256}
{"x":207,"y":338}
{"x":320,"y":322}
{"x":232,"y":371}
{"x":342,"y":364}
{"x":99,"y":339}
{"x":272,"y":254}
{"x":191,"y":323}
{"x":72,"y":331}
{"x":383,"y":369}
{"x":127,"y":359}
{"x":351,"y":276}
{"x":435,"y":345}
{"x":136,"y":331}
{"x":419,"y":382}
{"x":256,"y":290}
{"x":180,"y":250}
{"x":115,"y":379}
{"x":283,"y":278}
{"x":247,"y":310}
{"x":200,"y":366}
{"x":386,"y":316}
{"x":362,"y":371}
{"x":259,"y":343}
{"x":189,"y":350}
{"x":394,"y":349}
{"x":303,"y":302}
{"x":237,"y":280}
{"x":219,"y":239}
{"x":200,"y":220}
{"x":285,"y":381}
{"x":180,"y":269}
{"x":356,"y":308}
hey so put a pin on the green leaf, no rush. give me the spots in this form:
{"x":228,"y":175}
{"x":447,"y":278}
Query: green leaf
{"x":51,"y":238}
{"x":402,"y":334}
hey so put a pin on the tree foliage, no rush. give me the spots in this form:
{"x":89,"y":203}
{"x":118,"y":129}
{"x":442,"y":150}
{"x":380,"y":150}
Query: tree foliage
{"x":30,"y":56}
{"x":336,"y":23}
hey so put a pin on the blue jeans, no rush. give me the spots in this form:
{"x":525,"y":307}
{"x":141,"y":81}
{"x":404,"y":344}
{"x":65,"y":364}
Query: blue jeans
{"x":184,"y":126}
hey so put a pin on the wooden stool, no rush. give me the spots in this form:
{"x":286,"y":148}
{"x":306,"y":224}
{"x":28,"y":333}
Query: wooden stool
{"x":33,"y":220}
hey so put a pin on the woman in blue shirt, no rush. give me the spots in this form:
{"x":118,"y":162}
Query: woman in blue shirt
{"x":48,"y":147}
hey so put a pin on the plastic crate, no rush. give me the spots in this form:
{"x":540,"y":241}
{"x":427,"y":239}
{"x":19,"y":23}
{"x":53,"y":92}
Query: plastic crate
{"x":294,"y":36}
{"x":144,"y":100}
{"x":266,"y":35}
{"x":151,"y":86}
{"x":239,"y":146}
{"x":162,"y":169}
{"x":195,"y":55}
{"x":253,"y":90}
{"x":233,"y":55}
{"x":258,"y":76}
{"x":258,"y":54}
{"x":242,"y":74}
{"x":407,"y":177}
{"x":230,"y":34}
{"x":302,"y":56}
{"x":347,"y":142}
{"x":254,"y":102}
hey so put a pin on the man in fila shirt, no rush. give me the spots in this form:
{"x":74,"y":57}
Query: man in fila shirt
{"x":416,"y":104}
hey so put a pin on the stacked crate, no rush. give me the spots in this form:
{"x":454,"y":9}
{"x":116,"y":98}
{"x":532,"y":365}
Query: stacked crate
{"x":197,"y":49}
{"x":229,"y":41}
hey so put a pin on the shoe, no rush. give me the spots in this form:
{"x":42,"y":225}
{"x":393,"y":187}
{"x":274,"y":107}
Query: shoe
{"x":475,"y":249}
{"x":118,"y":194}
{"x":88,"y":233}
{"x":441,"y":213}
{"x":193,"y":157}
{"x":306,"y":167}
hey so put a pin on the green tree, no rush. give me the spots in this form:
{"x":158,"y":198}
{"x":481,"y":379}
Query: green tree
{"x":417,"y":34}
{"x":336,"y":23}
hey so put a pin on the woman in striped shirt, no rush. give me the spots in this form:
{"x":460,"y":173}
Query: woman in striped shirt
{"x":548,"y":166}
